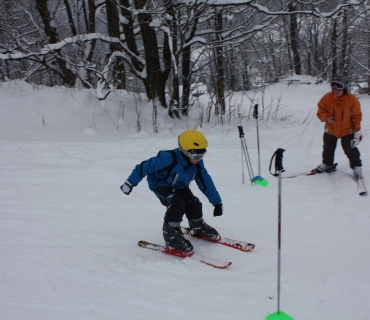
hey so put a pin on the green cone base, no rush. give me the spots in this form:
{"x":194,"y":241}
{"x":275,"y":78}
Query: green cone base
{"x":278,"y":316}
{"x":262,"y":182}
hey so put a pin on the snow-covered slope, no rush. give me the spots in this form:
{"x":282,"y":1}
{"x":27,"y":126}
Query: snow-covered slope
{"x":68,"y":235}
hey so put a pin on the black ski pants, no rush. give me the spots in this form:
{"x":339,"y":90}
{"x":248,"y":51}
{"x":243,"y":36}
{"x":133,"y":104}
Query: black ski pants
{"x":178,"y":203}
{"x":330,"y":144}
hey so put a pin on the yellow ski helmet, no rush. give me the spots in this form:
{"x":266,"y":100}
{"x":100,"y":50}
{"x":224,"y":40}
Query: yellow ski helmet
{"x":193,"y":144}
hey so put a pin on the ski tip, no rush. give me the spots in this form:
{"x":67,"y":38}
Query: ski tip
{"x":142,"y":243}
{"x":226,"y":266}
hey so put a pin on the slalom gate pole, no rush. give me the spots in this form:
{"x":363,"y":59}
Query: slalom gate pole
{"x":255,"y":116}
{"x":246,"y":154}
{"x":242,"y":161}
{"x":258,"y":180}
{"x":279,"y":315}
{"x":248,"y":160}
{"x":279,"y":227}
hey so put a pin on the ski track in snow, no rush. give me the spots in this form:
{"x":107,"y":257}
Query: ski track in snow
{"x":68,"y":236}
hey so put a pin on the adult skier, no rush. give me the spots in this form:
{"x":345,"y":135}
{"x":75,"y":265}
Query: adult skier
{"x":341,"y":112}
{"x":169,"y":175}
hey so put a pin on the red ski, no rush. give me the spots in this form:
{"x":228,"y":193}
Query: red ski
{"x":313,"y":172}
{"x":173,"y":252}
{"x":236,"y":244}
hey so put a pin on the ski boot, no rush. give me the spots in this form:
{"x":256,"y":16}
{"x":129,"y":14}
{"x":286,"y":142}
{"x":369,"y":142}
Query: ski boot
{"x":174,"y":237}
{"x":198,"y":227}
{"x":324,"y":167}
{"x":358,"y":172}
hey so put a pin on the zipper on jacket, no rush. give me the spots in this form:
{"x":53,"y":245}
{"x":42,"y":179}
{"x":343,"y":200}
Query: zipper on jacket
{"x":175,"y":179}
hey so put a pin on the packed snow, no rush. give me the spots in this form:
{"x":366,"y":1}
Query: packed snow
{"x":68,"y":238}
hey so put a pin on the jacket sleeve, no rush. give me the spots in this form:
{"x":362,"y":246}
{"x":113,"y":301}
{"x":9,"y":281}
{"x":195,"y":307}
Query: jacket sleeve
{"x":322,"y":112}
{"x":150,"y":166}
{"x":206,"y":185}
{"x":356,"y":115}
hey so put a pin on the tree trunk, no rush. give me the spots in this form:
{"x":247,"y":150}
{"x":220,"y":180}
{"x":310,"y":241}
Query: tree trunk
{"x":345,"y":46}
{"x":51,"y":31}
{"x":128,"y":31}
{"x":113,"y":31}
{"x":294,"y":41}
{"x":70,"y":18}
{"x":246,"y":80}
{"x":316,"y":59}
{"x":66,"y":73}
{"x":185,"y":80}
{"x":171,"y":59}
{"x":186,"y":59}
{"x":233,"y":73}
{"x":4,"y":70}
{"x":152,"y":59}
{"x":220,"y":86}
{"x":310,"y":45}
{"x":288,"y":46}
{"x":91,"y":28}
{"x":334,"y":49}
{"x":85,"y":15}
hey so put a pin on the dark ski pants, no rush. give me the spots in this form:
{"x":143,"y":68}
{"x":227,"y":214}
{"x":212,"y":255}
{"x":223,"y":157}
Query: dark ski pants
{"x":178,"y":203}
{"x":330,"y":144}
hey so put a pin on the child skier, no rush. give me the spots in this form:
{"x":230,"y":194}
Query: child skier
{"x":341,"y":112}
{"x":169,"y":175}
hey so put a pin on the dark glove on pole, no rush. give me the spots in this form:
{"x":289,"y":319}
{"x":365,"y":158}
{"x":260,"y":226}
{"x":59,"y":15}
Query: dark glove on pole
{"x":218,"y":210}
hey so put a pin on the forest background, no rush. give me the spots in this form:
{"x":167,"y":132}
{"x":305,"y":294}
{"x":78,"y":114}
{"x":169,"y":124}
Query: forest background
{"x":175,"y":51}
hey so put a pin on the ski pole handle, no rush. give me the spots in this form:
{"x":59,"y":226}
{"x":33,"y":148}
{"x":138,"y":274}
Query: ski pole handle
{"x":278,"y":155}
{"x":279,"y":160}
{"x":241,"y":132}
{"x":255,"y":111}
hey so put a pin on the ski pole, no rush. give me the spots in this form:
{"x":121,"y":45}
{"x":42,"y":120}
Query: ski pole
{"x":255,"y":116}
{"x":258,"y":179}
{"x":246,"y":154}
{"x":279,"y":167}
{"x":241,"y":133}
{"x":279,"y":315}
{"x":242,"y":162}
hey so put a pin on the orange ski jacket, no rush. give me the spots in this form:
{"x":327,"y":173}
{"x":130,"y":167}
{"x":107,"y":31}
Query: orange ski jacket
{"x":346,"y":111}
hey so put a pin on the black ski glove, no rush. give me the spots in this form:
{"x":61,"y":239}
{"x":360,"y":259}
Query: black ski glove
{"x":127,"y":187}
{"x":218,"y":210}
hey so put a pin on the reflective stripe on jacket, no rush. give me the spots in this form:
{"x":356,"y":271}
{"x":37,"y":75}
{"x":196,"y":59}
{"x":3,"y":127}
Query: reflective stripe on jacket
{"x":171,"y":169}
{"x":346,"y":111}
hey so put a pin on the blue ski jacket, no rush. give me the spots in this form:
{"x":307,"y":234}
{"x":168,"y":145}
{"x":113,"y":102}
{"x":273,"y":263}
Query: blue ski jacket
{"x":171,"y":169}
